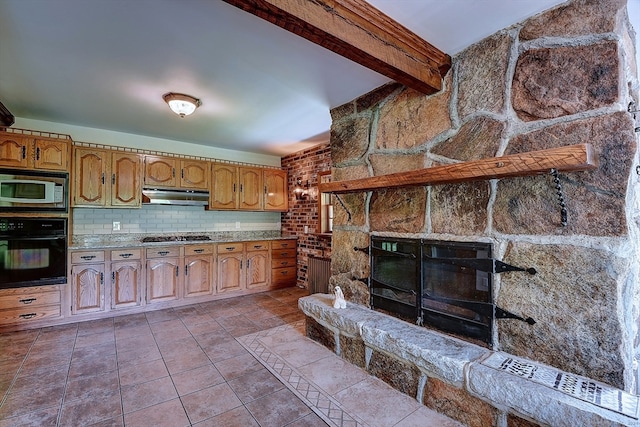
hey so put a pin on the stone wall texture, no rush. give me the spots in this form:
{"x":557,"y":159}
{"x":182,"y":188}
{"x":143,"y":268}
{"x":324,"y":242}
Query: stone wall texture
{"x":563,"y":77}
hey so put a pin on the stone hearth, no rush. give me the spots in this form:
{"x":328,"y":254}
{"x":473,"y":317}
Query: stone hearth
{"x":459,"y":379}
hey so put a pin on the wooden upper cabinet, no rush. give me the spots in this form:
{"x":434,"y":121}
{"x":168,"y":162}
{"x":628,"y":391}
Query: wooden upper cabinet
{"x":89,"y":175}
{"x":126,"y":180}
{"x":106,"y":178}
{"x":25,"y":151}
{"x":251,"y":189}
{"x":195,"y":174}
{"x":51,"y":154}
{"x":13,"y":150}
{"x":160,"y":171}
{"x":224,"y":194}
{"x":276,"y":197}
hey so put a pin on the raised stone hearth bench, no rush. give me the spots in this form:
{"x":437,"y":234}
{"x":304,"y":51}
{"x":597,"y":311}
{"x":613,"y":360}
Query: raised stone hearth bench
{"x":464,"y":381}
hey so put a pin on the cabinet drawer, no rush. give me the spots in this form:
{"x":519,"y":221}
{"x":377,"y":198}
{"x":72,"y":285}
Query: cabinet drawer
{"x":257,"y":246}
{"x":23,"y":297}
{"x":169,"y":251}
{"x":281,"y":276}
{"x":27,"y":314}
{"x":126,"y":254}
{"x":198,"y":250}
{"x":283,"y":244}
{"x":283,"y":253}
{"x":227,"y":248}
{"x":87,"y":256}
{"x":284,"y":262}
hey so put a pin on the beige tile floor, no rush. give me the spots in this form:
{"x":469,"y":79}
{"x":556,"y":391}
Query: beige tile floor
{"x":237,"y":362}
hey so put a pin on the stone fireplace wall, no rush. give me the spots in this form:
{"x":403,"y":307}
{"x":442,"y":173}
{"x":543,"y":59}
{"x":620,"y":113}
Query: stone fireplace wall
{"x":563,"y":77}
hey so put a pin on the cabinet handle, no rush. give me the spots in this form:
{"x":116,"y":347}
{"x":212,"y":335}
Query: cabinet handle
{"x":284,"y":245}
{"x":186,"y":270}
{"x":284,"y":254}
{"x":38,"y":153}
{"x":101,"y":278}
{"x":241,"y":188}
{"x":284,"y":272}
{"x":113,"y":277}
{"x":230,"y":248}
{"x":102,"y":177}
{"x":163,"y":253}
{"x":125,"y":255}
{"x":177,"y":271}
{"x":113,"y":179}
{"x":198,"y":251}
{"x":87,"y":257}
{"x":284,"y":263}
{"x":234,"y":188}
{"x":24,"y":152}
{"x":257,"y":246}
{"x":173,"y":172}
{"x":28,"y":315}
{"x":182,"y":173}
{"x":241,"y":264}
{"x":27,"y":300}
{"x":265,"y":189}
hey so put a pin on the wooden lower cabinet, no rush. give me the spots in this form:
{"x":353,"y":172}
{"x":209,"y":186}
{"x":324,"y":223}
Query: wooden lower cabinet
{"x":126,"y":278}
{"x":29,"y":304}
{"x":163,"y":274}
{"x":199,"y":270}
{"x":283,"y":263}
{"x":258,"y":265}
{"x":231,"y":273}
{"x":87,"y":288}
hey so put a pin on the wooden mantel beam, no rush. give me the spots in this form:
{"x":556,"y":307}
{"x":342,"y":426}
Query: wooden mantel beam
{"x":578,"y":157}
{"x":358,"y":31}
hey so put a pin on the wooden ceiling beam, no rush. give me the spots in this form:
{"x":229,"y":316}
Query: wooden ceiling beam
{"x":356,"y":30}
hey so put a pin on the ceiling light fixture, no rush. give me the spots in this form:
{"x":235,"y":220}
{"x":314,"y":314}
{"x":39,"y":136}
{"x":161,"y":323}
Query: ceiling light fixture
{"x":181,"y":104}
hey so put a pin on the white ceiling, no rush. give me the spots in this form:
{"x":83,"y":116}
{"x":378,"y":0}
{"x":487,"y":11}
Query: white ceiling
{"x":106,"y":64}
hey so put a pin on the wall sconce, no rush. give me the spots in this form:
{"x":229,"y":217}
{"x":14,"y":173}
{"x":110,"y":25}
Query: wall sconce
{"x":181,"y":104}
{"x":299,"y":191}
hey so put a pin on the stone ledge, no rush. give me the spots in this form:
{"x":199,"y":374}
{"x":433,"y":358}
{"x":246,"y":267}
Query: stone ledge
{"x":459,"y":364}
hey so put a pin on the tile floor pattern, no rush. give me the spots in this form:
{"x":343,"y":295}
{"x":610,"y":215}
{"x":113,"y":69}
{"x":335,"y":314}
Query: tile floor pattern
{"x":237,"y":362}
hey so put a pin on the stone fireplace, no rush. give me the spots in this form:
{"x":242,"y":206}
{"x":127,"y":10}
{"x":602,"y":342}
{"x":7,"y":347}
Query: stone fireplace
{"x":564,"y":77}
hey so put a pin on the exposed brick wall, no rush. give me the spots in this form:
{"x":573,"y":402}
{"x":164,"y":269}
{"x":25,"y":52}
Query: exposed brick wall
{"x":305,"y":165}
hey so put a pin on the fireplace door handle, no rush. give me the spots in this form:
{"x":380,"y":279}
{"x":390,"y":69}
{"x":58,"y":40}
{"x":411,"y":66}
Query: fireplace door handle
{"x":382,"y":252}
{"x":488,"y":265}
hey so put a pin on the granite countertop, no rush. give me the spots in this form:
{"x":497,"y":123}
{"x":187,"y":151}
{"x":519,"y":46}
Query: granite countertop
{"x":108,"y":241}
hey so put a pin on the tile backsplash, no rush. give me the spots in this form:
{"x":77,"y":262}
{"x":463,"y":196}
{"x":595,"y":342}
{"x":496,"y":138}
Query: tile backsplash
{"x":170,"y":219}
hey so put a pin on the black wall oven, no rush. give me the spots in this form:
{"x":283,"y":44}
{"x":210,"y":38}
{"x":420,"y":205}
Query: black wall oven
{"x":33,"y":251}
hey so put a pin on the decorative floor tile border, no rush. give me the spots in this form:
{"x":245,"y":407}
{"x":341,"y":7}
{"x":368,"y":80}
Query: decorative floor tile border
{"x":320,"y":402}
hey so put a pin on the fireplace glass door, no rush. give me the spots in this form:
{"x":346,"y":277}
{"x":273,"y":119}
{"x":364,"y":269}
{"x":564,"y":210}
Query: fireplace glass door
{"x":395,"y":276}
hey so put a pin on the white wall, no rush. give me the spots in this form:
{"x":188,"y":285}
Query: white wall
{"x":121,"y":139}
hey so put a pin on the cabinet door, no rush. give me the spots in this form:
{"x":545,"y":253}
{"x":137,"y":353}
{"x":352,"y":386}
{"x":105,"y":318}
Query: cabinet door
{"x":51,"y":154}
{"x":163,"y":279}
{"x":225,"y":186}
{"x":160,"y":171}
{"x":13,"y":150}
{"x":126,"y":188}
{"x":231,"y":275}
{"x":126,"y":279}
{"x":258,"y":271}
{"x":276,"y":197}
{"x":194,"y":174}
{"x":90,"y":168}
{"x":198,"y":275}
{"x":87,"y":288}
{"x":251,"y":191}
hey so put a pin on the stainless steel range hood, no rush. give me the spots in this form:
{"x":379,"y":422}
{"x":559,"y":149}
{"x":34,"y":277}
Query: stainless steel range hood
{"x":159,"y":196}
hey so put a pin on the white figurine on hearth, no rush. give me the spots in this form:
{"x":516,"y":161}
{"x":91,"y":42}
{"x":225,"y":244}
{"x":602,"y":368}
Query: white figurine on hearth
{"x":339,"y":301}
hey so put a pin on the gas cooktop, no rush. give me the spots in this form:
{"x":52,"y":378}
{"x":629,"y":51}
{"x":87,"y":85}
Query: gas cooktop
{"x":154,"y":239}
